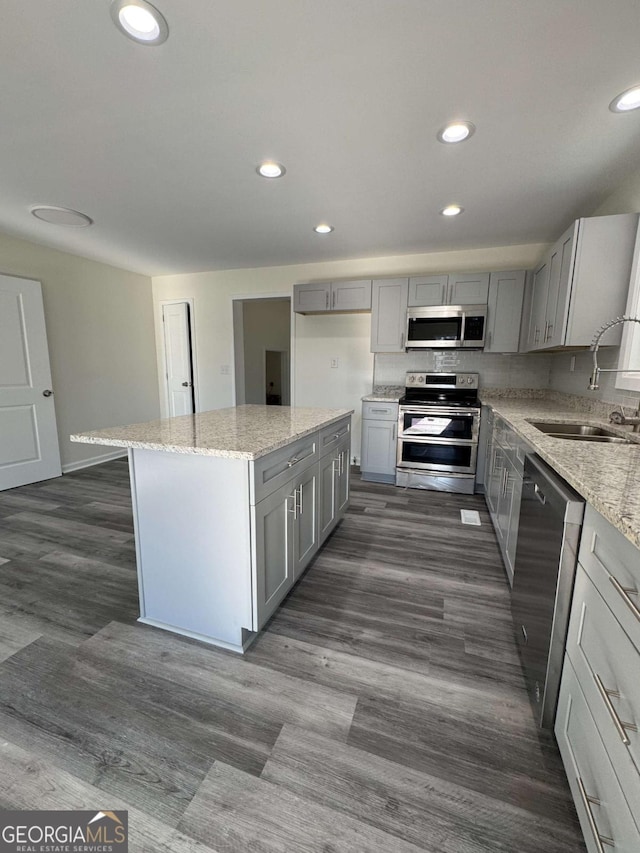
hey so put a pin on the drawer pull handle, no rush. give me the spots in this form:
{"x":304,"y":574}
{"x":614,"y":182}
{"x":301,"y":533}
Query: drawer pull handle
{"x":606,"y":698}
{"x":293,"y":461}
{"x":379,"y":411}
{"x":587,"y":800}
{"x":625,"y":592}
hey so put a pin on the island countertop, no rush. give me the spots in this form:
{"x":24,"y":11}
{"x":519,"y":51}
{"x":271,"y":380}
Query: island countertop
{"x":239,"y":432}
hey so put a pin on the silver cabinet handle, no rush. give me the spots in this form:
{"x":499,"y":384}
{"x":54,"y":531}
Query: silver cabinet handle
{"x":337,"y":435}
{"x":587,"y":800}
{"x":47,"y":393}
{"x":544,"y":334}
{"x":402,"y":341}
{"x":536,"y":337}
{"x":300,"y":508}
{"x":489,"y":335}
{"x":294,"y":498}
{"x":606,"y":698}
{"x":539,"y":494}
{"x":394,"y":431}
{"x":293,"y":461}
{"x":333,"y":298}
{"x":379,"y":411}
{"x":549,"y":334}
{"x":327,"y":303}
{"x":625,"y":592}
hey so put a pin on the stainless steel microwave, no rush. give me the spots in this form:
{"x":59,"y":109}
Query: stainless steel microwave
{"x":445,"y":326}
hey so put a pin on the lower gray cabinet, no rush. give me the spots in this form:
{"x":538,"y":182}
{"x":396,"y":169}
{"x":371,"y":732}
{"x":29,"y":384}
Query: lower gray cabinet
{"x":379,"y":442}
{"x":333,"y":481}
{"x":305,"y":520}
{"x":273,"y":530}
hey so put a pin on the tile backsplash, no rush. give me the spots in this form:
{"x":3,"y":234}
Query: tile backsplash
{"x":495,"y":370}
{"x":563,"y":379}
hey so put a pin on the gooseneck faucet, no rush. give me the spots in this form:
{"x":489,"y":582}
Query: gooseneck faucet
{"x":593,"y":383}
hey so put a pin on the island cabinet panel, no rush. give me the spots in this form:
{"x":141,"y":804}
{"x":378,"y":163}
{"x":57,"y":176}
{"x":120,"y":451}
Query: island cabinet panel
{"x":305,"y":521}
{"x":193,"y":543}
{"x":333,"y":488}
{"x":273,"y":559}
{"x":275,"y":469}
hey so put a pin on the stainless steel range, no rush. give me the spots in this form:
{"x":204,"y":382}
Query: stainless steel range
{"x":438,"y":424}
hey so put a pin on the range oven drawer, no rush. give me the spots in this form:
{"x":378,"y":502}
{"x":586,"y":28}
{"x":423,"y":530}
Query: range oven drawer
{"x":451,"y":457}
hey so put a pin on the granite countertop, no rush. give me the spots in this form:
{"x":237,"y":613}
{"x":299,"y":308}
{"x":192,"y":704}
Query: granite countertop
{"x":240,"y":432}
{"x":606,"y":475}
{"x":385,"y":394}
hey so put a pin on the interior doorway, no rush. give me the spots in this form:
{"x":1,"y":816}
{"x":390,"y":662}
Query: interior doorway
{"x":262,"y":350}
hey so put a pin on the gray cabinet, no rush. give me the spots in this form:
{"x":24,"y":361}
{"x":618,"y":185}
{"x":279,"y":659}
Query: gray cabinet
{"x":503,"y":487}
{"x":273,"y":531}
{"x":449,"y":289}
{"x":389,"y":314}
{"x":333,"y":498}
{"x":379,"y":442}
{"x":581,"y":282}
{"x":504,"y":311}
{"x":305,"y":520}
{"x":599,"y":704}
{"x":332,"y":296}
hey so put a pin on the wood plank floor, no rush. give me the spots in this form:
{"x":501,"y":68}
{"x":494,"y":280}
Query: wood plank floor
{"x":383,"y":709}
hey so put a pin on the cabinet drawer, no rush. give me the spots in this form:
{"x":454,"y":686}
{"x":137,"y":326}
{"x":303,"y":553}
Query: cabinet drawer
{"x":613,"y":564}
{"x":607,"y":665}
{"x":600,"y":803}
{"x":380,"y":411}
{"x":332,"y":435}
{"x":270,"y":472}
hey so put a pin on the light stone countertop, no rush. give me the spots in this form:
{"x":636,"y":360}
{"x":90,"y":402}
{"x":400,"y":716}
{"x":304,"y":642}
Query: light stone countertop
{"x":606,"y":475}
{"x":240,"y":432}
{"x":385,"y":394}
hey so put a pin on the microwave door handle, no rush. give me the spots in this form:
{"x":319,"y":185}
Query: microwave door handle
{"x":462,"y":327}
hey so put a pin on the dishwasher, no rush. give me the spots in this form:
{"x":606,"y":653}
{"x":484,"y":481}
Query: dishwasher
{"x":545,"y":565}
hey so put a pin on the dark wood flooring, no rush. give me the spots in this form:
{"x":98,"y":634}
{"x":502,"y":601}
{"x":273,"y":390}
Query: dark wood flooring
{"x":383,"y":709}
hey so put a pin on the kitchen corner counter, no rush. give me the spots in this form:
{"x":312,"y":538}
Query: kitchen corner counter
{"x":384,"y":394}
{"x":606,"y":475}
{"x":241,"y":432}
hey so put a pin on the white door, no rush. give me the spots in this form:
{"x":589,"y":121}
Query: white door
{"x":29,"y":449}
{"x":178,"y":362}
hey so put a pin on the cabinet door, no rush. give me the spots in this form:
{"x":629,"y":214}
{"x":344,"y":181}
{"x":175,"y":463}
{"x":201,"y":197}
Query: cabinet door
{"x":468,"y":288}
{"x":389,"y":314}
{"x":539,"y":305}
{"x":514,"y":490}
{"x":496,"y":474}
{"x":504,"y":313}
{"x":428,"y":290}
{"x":305,"y":524}
{"x":560,"y":274}
{"x":273,"y":530}
{"x":351,"y":295}
{"x":311,"y":297}
{"x":344,"y":475}
{"x":378,"y":452}
{"x":327,"y":509}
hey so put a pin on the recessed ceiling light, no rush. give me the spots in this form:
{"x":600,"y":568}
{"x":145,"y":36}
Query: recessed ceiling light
{"x":323,"y":228}
{"x":140,"y":21}
{"x":61,"y":216}
{"x":271,"y":170}
{"x":452,"y":210}
{"x":629,"y":100}
{"x":457,"y":131}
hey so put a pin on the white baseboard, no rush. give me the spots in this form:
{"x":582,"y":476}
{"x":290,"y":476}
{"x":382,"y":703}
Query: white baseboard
{"x":94,"y":460}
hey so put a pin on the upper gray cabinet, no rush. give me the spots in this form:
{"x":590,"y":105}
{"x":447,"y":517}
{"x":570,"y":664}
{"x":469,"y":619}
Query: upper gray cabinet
{"x":449,"y":289}
{"x":332,"y":296}
{"x":582,"y":282}
{"x":504,"y":311}
{"x":389,"y":314}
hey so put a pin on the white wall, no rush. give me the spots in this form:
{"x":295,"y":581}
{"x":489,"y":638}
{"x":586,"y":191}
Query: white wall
{"x":101,"y":341}
{"x":317,"y":339}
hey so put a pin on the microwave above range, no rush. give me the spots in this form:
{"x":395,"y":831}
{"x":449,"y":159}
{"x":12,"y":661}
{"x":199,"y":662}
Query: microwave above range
{"x":446,"y":326}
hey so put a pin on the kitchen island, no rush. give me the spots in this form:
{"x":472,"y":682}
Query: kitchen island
{"x":229,"y":508}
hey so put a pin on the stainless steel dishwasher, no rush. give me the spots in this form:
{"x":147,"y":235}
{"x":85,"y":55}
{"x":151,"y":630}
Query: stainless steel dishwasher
{"x":547,"y":552}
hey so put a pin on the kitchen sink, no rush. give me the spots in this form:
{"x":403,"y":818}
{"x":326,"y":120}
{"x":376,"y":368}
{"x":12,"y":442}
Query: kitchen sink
{"x":580,"y":432}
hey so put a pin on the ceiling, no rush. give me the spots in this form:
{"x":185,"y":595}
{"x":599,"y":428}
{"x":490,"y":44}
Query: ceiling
{"x":159,"y":145}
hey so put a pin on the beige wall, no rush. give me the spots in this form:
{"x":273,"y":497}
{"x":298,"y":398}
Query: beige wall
{"x":101,"y":341}
{"x":318,"y":339}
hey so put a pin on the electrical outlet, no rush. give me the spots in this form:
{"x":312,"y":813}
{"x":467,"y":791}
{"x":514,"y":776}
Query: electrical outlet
{"x":334,"y":362}
{"x":572,"y":364}
{"x":225,"y":369}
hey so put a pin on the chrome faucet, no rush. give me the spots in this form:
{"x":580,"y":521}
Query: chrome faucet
{"x":593,"y":382}
{"x":619,"y":417}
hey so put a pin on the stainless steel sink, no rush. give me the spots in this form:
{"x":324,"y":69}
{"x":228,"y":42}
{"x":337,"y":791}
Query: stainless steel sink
{"x":580,"y":432}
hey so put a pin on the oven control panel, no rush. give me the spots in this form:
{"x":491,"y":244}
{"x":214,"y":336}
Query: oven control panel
{"x":442,"y":380}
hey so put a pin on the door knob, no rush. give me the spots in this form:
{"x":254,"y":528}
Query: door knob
{"x":47,"y":393}
{"x":186,"y":385}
